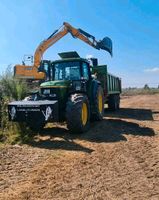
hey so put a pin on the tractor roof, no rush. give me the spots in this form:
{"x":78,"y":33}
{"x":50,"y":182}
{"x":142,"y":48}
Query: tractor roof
{"x":70,"y":56}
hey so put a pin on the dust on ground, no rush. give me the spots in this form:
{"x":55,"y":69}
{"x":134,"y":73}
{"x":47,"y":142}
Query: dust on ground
{"x":117,"y":159}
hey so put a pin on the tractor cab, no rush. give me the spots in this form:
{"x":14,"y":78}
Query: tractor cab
{"x":71,"y":67}
{"x":71,"y":72}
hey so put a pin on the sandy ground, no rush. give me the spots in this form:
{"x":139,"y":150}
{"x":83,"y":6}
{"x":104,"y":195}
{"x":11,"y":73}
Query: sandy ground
{"x":117,"y":159}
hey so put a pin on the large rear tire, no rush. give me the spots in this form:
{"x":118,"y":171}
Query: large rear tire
{"x":78,"y":113}
{"x":98,"y":111}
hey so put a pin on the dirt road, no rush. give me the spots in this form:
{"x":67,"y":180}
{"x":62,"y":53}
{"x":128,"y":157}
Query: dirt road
{"x":118,"y":159}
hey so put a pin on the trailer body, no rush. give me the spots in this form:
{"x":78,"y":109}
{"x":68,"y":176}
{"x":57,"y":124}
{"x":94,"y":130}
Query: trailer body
{"x":111,"y":84}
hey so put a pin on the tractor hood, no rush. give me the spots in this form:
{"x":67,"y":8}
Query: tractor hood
{"x":57,"y":84}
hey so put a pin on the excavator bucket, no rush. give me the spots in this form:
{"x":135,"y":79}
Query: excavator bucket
{"x":106,"y":44}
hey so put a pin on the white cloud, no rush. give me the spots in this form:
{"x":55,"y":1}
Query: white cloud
{"x":88,"y":56}
{"x":153,"y":70}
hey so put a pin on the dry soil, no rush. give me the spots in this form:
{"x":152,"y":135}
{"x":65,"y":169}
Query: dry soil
{"x":117,"y":159}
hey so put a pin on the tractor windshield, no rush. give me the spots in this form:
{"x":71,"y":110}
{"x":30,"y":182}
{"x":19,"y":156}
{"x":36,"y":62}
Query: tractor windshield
{"x":67,"y":71}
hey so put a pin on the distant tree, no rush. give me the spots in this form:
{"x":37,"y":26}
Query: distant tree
{"x":146,"y":86}
{"x":158,"y":86}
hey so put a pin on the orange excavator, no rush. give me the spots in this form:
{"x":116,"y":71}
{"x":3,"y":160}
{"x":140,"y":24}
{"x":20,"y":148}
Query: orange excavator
{"x":34,"y":73}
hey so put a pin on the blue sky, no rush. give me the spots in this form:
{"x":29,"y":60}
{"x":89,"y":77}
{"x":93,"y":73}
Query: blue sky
{"x":133,"y":26}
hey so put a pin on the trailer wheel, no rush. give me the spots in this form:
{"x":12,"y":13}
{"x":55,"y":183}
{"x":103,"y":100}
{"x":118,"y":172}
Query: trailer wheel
{"x":78,"y":113}
{"x":114,"y":102}
{"x":118,"y":102}
{"x":98,"y":103}
{"x":36,"y":125}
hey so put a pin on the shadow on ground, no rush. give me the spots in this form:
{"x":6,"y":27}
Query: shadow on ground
{"x":131,"y":113}
{"x":111,"y":129}
{"x":59,"y":138}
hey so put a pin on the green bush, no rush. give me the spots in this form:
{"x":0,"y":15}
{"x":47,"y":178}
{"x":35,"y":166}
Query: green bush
{"x":11,"y":89}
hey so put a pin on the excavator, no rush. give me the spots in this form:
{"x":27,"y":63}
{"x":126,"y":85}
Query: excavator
{"x":37,"y":71}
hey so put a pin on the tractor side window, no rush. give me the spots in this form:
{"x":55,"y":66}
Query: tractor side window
{"x":67,"y":73}
{"x":85,"y":71}
{"x":58,"y":73}
{"x":46,"y":70}
{"x":46,"y":66}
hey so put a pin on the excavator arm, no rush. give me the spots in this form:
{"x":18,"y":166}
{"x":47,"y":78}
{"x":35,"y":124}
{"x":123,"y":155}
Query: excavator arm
{"x":31,"y":72}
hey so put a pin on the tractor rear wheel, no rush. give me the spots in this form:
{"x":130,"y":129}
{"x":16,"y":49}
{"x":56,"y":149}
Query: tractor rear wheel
{"x":98,"y":104}
{"x":78,"y":113}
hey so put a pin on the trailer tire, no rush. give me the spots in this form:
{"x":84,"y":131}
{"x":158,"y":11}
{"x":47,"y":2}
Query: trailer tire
{"x":78,"y":113}
{"x":118,"y":102}
{"x":98,"y":110}
{"x":114,"y":102}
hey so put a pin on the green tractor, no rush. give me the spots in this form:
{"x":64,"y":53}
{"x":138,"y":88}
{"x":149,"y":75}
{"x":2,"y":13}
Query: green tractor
{"x":75,"y":91}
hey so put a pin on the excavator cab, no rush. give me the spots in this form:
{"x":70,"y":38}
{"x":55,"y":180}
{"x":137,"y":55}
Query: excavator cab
{"x":45,"y":68}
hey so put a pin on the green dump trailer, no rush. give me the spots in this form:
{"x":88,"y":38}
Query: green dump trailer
{"x":75,"y":91}
{"x":111,"y":86}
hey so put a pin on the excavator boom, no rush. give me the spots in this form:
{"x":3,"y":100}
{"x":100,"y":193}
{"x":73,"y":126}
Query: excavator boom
{"x":31,"y":72}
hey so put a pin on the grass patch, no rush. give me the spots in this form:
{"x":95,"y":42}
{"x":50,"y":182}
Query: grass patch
{"x":16,"y":133}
